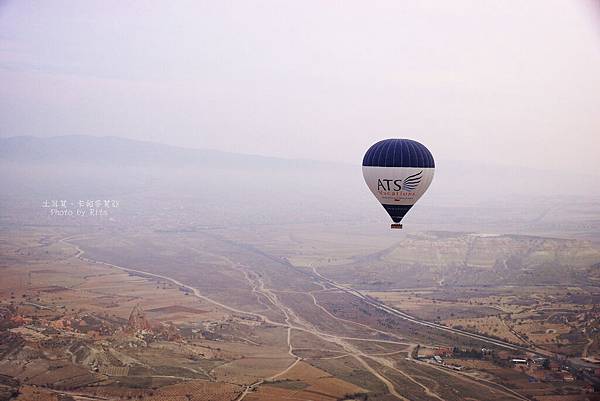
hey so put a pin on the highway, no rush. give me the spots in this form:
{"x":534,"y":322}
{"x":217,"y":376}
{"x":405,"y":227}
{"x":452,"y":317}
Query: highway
{"x":395,"y":312}
{"x":295,"y":322}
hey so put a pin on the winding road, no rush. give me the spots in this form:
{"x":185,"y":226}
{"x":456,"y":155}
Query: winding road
{"x":295,"y":322}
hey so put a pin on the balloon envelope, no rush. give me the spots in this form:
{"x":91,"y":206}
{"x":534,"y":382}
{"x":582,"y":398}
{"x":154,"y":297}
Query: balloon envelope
{"x":398,"y":172}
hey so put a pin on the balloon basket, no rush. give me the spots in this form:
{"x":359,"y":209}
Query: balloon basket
{"x":396,"y":226}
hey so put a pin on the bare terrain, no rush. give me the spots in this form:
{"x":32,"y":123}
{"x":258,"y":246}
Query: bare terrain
{"x":206,"y":314}
{"x":172,"y":286}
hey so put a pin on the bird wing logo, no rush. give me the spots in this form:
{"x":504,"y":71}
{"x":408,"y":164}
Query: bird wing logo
{"x":412,"y":181}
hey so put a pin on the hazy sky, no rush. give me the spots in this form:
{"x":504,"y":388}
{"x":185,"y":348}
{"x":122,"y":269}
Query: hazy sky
{"x":509,"y":81}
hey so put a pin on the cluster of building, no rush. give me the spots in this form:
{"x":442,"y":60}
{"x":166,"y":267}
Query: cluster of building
{"x":537,"y":368}
{"x":437,"y":356}
{"x":554,"y":370}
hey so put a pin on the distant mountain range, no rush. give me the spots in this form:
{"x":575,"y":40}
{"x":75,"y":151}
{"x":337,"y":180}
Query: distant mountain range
{"x":122,"y":151}
{"x":225,"y":188}
{"x":462,"y":179}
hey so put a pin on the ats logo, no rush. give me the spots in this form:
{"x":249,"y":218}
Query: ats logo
{"x":409,"y":184}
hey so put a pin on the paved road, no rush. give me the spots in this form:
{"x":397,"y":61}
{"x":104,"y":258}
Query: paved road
{"x":294,"y":322}
{"x":395,"y":312}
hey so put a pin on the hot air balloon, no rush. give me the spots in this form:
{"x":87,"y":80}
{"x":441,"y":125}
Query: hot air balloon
{"x":398,"y":172}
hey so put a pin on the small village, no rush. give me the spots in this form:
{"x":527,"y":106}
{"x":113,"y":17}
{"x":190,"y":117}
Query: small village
{"x":27,"y":325}
{"x":536,"y":368}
